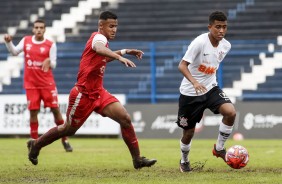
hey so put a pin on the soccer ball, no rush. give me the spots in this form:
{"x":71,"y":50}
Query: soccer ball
{"x":237,"y":157}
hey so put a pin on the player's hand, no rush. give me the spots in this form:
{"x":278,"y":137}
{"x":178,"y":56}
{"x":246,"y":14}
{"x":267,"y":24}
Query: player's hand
{"x":8,"y":38}
{"x":135,"y":52}
{"x":46,"y":65}
{"x":126,"y":62}
{"x":199,"y":88}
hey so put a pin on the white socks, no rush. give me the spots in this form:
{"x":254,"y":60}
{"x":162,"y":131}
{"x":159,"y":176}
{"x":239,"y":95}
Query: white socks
{"x":185,"y":148}
{"x":224,"y":133}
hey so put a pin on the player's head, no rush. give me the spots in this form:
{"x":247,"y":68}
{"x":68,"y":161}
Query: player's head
{"x":217,"y":25}
{"x":39,"y":29}
{"x":108,"y":24}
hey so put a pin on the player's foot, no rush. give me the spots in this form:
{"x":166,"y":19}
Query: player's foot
{"x":220,"y":153}
{"x":67,"y":146}
{"x":32,"y":152}
{"x":143,"y":162}
{"x":185,"y":167}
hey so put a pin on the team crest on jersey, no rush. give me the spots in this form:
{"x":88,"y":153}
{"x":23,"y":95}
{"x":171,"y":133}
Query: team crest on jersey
{"x":28,"y":46}
{"x":224,"y":96}
{"x":221,"y":55}
{"x":183,"y":122}
{"x":42,"y":49}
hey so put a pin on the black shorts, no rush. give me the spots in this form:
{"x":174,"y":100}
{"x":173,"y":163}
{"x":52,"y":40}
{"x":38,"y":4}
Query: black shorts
{"x":191,"y":108}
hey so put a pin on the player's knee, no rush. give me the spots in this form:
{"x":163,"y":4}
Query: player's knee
{"x":231,"y":114}
{"x":125,"y":121}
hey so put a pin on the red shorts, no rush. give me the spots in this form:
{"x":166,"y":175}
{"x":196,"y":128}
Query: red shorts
{"x":48,"y":95}
{"x":81,"y":106}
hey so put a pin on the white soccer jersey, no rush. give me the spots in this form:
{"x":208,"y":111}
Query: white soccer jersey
{"x":204,"y":60}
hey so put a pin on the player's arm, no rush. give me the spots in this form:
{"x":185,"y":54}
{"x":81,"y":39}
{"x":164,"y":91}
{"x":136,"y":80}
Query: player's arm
{"x":183,"y":68}
{"x":14,"y":50}
{"x":50,"y":62}
{"x":99,"y":43}
{"x":135,"y":52}
{"x":101,"y":49}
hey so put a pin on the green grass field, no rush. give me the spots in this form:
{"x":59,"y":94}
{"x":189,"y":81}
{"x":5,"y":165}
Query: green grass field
{"x":108,"y":161}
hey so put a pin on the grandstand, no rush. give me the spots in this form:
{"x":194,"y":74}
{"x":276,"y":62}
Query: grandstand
{"x":162,"y":29}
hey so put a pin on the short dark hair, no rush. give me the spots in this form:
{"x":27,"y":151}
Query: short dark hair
{"x":107,"y":15}
{"x":39,"y":21}
{"x":217,"y":15}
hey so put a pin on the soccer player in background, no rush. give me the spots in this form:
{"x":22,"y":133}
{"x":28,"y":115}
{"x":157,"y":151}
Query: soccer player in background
{"x":89,"y":95}
{"x":199,"y":89}
{"x":40,"y":55}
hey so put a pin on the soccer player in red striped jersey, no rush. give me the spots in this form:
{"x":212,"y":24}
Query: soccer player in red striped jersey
{"x":89,"y":95}
{"x":40,"y":56}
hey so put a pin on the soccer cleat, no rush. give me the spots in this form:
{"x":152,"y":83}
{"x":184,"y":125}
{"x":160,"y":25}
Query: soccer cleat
{"x":67,"y":146}
{"x":220,"y":153}
{"x":185,"y":167}
{"x":143,"y":162}
{"x":32,"y":152}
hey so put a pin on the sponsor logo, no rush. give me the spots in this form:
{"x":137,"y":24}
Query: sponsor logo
{"x":206,"y":54}
{"x":33,"y":63}
{"x":206,"y":69}
{"x":166,"y":122}
{"x":138,"y":122}
{"x":261,"y":121}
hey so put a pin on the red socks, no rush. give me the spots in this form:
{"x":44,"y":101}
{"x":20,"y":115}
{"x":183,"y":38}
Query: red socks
{"x":33,"y":129}
{"x":129,"y":137}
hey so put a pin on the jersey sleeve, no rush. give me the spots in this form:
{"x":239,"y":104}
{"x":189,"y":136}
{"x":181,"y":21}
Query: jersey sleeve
{"x":15,"y":50}
{"x":99,"y":38}
{"x":53,"y":55}
{"x":193,"y":50}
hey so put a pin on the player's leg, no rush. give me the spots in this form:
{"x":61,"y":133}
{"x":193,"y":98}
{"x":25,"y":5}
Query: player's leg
{"x":50,"y":99}
{"x":33,"y":101}
{"x":219,"y":103}
{"x":190,"y":113}
{"x":59,"y":121}
{"x":228,"y":112}
{"x":79,"y":109}
{"x":185,"y":146}
{"x":118,"y":113}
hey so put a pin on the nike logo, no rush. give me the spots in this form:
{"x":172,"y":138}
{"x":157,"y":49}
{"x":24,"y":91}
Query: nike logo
{"x":206,"y":54}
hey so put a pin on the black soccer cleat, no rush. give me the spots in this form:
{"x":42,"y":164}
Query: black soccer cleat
{"x":143,"y":162}
{"x":185,"y":167}
{"x":67,"y":146}
{"x":220,"y":153}
{"x":32,"y":152}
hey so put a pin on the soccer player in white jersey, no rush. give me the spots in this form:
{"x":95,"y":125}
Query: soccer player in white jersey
{"x":199,"y":89}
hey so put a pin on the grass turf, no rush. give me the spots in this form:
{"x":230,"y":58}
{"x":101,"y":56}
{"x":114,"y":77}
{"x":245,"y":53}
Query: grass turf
{"x":108,"y":161}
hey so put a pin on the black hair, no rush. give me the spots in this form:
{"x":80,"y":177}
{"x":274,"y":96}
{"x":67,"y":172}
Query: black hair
{"x":39,"y":21}
{"x":107,"y":15}
{"x":217,"y":15}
